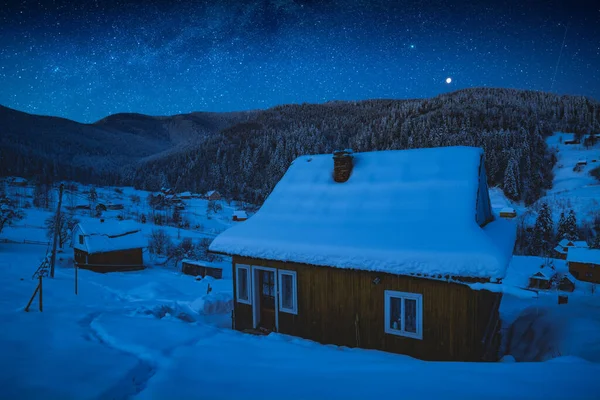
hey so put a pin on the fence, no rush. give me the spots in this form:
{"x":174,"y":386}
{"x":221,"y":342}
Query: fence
{"x":24,"y":241}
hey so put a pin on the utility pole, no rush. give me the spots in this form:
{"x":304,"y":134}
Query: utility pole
{"x":56,"y":233}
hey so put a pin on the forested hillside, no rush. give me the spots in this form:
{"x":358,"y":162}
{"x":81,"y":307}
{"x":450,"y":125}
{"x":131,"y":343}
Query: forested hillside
{"x":246,"y":160}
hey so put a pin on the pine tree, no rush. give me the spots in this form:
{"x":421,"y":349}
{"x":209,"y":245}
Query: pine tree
{"x":596,"y":242}
{"x":571,"y":226}
{"x":511,"y":180}
{"x":543,"y":231}
{"x":561,"y":231}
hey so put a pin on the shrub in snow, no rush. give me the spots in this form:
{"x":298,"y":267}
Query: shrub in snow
{"x":159,"y":242}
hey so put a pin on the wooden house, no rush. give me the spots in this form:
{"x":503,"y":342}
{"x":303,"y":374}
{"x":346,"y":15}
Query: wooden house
{"x":565,"y":284}
{"x":185,"y":195}
{"x":562,"y":249}
{"x":239,"y":215}
{"x":582,"y":161}
{"x":213,"y":195}
{"x":107,"y":246}
{"x":508,"y":212}
{"x":201,"y":268}
{"x":584,"y":264}
{"x":539,"y":280}
{"x":381,"y":250}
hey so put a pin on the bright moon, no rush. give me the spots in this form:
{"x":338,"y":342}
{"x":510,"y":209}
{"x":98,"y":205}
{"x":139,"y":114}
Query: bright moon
{"x":448,"y":80}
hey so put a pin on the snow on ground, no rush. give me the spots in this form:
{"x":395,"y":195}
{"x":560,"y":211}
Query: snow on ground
{"x":539,"y":328}
{"x":138,"y":335}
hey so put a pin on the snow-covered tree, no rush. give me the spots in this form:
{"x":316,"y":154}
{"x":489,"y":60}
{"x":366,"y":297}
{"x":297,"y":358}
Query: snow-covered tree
{"x":561,"y":230}
{"x":511,"y":179}
{"x":543,"y":231}
{"x":9,"y":213}
{"x":571,"y":226}
{"x":66,"y":224}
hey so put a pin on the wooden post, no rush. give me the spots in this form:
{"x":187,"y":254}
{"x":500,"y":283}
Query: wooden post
{"x":37,"y":288}
{"x":76,"y":278}
{"x":41,"y":299}
{"x":56,"y":233}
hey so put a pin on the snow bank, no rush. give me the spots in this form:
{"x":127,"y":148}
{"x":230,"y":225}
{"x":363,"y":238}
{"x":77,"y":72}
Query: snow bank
{"x":213,"y":303}
{"x":543,"y":333}
{"x":403,"y":212}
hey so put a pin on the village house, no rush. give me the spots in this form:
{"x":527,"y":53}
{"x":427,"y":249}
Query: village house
{"x":185,"y":195}
{"x":562,"y":249}
{"x":379,"y":250}
{"x":107,"y":246}
{"x":213,"y":195}
{"x":239,"y":215}
{"x":539,"y":280}
{"x":201,"y":268}
{"x":584,"y":264}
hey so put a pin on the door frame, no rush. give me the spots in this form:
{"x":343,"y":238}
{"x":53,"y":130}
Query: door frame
{"x":256,"y":295}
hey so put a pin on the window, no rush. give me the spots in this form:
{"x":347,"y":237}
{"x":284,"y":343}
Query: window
{"x":243,"y":283}
{"x":404,"y":314}
{"x":288,"y":296}
{"x":80,"y":239}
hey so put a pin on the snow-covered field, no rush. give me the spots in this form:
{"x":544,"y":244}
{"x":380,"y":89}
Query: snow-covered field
{"x":139,"y":335}
{"x":158,"y":334}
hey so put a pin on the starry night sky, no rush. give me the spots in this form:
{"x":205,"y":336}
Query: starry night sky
{"x":86,"y":59}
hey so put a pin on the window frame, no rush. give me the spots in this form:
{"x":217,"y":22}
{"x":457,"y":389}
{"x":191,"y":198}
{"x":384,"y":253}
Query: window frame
{"x":294,"y":308}
{"x":238,"y":268}
{"x":388,"y":295}
{"x":80,"y":239}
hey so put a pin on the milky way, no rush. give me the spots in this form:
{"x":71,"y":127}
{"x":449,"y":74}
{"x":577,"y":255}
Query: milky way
{"x":85,"y":60}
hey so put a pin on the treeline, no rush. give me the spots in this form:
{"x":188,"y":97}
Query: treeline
{"x":246,"y":160}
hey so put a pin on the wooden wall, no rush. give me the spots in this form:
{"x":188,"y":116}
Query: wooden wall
{"x":580,"y":271}
{"x":123,"y":260}
{"x":455,"y":317}
{"x":201,"y":270}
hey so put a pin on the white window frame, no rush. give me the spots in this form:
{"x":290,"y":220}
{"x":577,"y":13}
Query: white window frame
{"x":246,"y":268}
{"x":389,"y":294}
{"x":294,"y":309}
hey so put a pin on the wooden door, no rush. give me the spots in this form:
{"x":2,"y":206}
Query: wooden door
{"x":266,"y":286}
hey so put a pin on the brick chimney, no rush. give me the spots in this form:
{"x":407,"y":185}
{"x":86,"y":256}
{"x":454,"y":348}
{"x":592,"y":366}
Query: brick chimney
{"x":342,"y":165}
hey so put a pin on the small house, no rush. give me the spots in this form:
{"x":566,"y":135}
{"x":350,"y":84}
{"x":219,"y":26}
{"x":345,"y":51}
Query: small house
{"x":213,"y":195}
{"x":573,"y":140}
{"x":582,"y":161}
{"x":115,"y":207}
{"x":565,"y":284}
{"x":201,"y":268}
{"x":508,"y":212}
{"x":584,"y":264}
{"x":185,"y":195}
{"x":107,"y":246}
{"x":240,"y":215}
{"x":564,"y":245}
{"x":382,"y":250}
{"x":539,"y":281}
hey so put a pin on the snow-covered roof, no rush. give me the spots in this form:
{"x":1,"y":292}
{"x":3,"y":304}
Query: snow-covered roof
{"x":185,"y":194}
{"x":540,"y":275}
{"x":105,"y":244}
{"x":560,"y":250}
{"x":107,"y":236}
{"x":201,"y":263}
{"x":573,"y":243}
{"x":240,"y":214}
{"x":583,"y":255}
{"x":508,"y":210}
{"x":404,"y":212}
{"x":210,"y":193}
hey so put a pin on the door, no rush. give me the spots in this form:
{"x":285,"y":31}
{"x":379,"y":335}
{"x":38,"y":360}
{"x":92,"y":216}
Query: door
{"x":266,"y":285}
